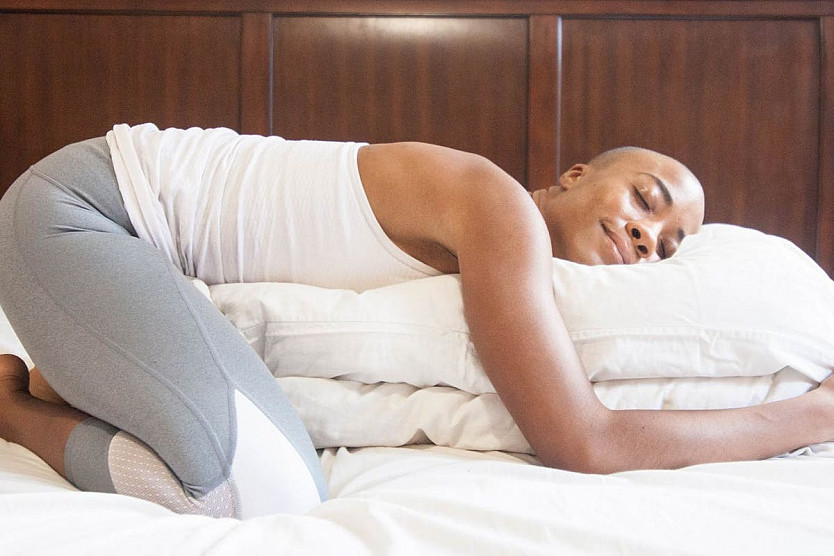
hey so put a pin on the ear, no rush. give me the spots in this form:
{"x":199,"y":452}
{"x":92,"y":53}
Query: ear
{"x":569,"y":178}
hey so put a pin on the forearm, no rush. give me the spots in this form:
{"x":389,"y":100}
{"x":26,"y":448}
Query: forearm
{"x":641,"y":439}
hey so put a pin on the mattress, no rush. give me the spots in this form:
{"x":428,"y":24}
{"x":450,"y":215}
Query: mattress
{"x":437,"y":500}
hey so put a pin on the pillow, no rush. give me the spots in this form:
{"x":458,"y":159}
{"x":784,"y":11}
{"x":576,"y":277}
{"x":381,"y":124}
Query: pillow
{"x":345,"y":413}
{"x":731,"y":302}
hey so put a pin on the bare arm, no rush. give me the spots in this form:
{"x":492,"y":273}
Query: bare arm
{"x":482,"y":216}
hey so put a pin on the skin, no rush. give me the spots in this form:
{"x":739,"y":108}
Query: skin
{"x":458,"y":212}
{"x":637,"y":209}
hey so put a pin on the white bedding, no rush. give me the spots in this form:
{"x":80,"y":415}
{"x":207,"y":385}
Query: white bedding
{"x":445,"y":501}
{"x":353,"y":414}
{"x":395,"y":365}
{"x":452,"y":494}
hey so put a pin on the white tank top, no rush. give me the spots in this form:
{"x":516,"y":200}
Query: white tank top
{"x":227,"y":208}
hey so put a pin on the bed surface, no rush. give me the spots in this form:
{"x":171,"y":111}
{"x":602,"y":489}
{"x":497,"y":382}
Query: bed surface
{"x":433,"y":500}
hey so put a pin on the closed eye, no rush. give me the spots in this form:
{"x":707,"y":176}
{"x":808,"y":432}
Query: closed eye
{"x":643,"y":202}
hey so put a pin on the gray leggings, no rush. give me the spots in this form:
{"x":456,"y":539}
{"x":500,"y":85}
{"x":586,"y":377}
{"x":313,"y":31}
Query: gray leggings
{"x":184,"y":412}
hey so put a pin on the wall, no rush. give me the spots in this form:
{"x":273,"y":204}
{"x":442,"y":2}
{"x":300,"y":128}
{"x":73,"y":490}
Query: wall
{"x":740,"y":91}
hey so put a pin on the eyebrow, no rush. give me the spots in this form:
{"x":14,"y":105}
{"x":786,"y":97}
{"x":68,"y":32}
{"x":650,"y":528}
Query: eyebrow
{"x":664,"y":189}
{"x":667,"y":198}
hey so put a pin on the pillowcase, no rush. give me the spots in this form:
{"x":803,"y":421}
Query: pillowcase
{"x":731,"y":302}
{"x":345,"y":413}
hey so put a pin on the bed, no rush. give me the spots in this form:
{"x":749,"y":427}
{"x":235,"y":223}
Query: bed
{"x":445,"y":501}
{"x":420,"y":456}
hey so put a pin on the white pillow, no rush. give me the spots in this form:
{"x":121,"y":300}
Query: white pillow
{"x":731,"y":302}
{"x":346,"y":413}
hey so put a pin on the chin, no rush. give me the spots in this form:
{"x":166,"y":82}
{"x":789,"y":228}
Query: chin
{"x":580,"y":254}
{"x":582,"y":258}
{"x":597,"y":259}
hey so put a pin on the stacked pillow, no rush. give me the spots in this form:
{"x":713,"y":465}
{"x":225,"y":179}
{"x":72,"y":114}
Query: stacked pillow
{"x":735,"y":318}
{"x":731,"y":302}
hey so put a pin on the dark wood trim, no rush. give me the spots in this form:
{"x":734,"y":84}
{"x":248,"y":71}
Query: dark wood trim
{"x":248,"y":70}
{"x":825,"y":207}
{"x":256,"y":73}
{"x":544,"y":101}
{"x":754,"y":8}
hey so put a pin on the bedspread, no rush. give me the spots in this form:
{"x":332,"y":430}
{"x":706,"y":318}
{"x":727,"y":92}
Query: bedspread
{"x":431,"y":500}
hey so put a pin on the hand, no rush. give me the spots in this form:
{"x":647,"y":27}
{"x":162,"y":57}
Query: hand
{"x":824,"y":396}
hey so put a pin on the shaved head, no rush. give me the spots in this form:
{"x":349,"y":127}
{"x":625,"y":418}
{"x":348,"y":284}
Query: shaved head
{"x":611,"y":157}
{"x":625,"y":205}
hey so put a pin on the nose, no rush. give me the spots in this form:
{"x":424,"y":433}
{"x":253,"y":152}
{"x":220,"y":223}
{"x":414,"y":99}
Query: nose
{"x":643,"y":237}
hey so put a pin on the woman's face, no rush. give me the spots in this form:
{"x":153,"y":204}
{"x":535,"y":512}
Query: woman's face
{"x":636,"y":208}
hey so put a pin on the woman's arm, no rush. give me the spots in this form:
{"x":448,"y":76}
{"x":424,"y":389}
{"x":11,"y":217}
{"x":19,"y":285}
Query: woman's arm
{"x":488,"y":221}
{"x":506,"y":270}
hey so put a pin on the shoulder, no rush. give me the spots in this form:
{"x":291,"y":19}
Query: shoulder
{"x":442,"y":194}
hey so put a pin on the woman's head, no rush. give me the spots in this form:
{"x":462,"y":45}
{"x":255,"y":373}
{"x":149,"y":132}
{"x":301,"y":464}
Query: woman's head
{"x":626,"y":205}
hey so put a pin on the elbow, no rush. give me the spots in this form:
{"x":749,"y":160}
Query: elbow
{"x":588,"y":459}
{"x":595,"y":451}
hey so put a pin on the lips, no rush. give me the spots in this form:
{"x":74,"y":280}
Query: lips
{"x":619,"y":248}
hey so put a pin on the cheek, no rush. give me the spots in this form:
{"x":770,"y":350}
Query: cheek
{"x":625,"y":205}
{"x":585,"y":247}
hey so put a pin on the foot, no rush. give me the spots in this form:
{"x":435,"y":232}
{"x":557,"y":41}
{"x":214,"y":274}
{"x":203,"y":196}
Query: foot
{"x":14,"y":389}
{"x":40,"y":426}
{"x":14,"y":377}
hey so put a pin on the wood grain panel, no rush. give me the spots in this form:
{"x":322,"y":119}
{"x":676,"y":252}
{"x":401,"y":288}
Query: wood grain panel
{"x":738,"y":101}
{"x":793,"y":8}
{"x":825,"y":230}
{"x":70,"y":77}
{"x":545,"y":101}
{"x":256,"y":74}
{"x":458,"y":82}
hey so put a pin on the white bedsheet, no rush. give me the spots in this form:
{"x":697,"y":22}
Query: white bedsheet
{"x":432,"y":500}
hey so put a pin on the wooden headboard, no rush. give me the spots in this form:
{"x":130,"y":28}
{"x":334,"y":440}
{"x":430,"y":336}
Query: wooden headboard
{"x":741,"y":91}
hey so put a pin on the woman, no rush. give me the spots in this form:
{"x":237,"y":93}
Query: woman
{"x":171,"y":405}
